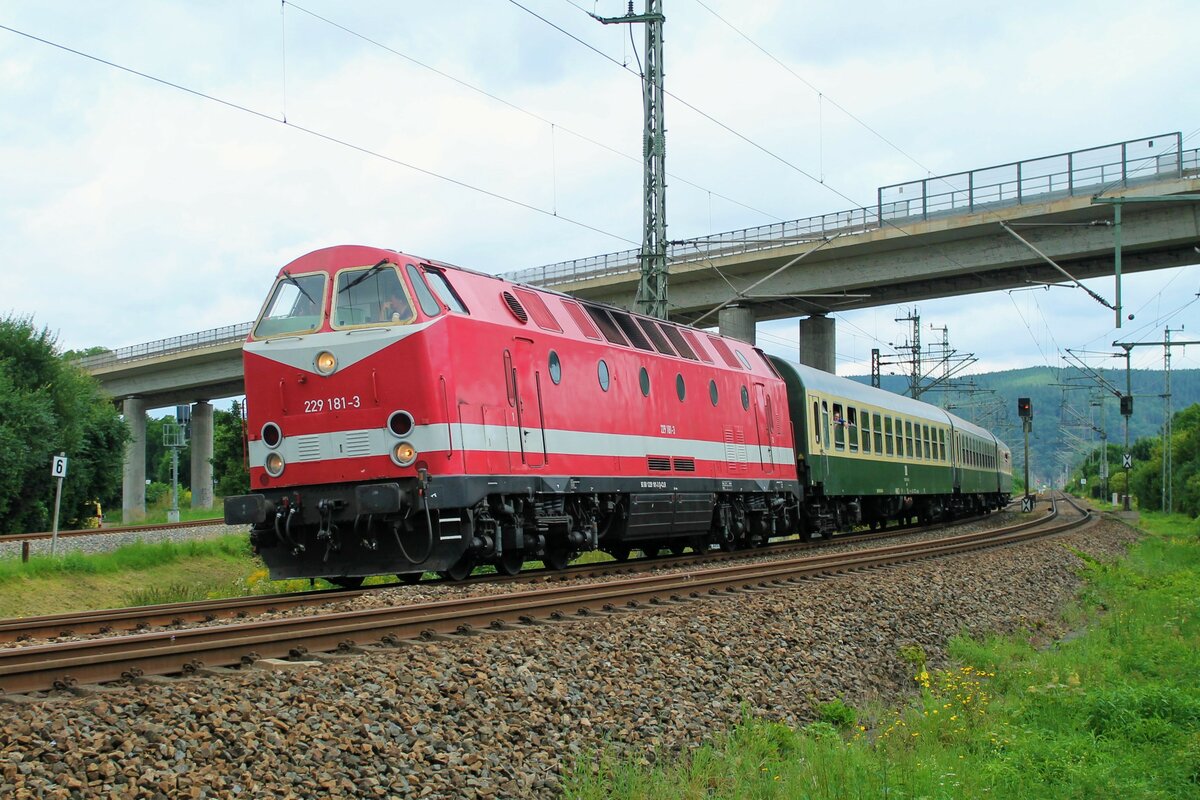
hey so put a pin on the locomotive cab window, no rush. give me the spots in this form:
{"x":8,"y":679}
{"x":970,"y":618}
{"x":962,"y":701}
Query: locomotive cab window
{"x":429,"y":305}
{"x":443,"y":289}
{"x":296,"y":306}
{"x":371,"y":296}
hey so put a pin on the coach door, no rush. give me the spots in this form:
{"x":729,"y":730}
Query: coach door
{"x":526,"y":398}
{"x":818,"y":437}
{"x":764,"y":418}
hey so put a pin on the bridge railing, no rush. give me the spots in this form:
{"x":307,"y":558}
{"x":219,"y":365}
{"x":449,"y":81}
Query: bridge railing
{"x":175,"y":344}
{"x":1080,"y":172}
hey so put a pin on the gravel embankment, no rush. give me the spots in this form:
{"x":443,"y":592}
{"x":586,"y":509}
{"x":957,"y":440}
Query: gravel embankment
{"x":501,"y":715}
{"x":106,"y":542}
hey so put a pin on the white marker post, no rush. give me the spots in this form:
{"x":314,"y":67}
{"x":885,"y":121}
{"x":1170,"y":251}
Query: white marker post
{"x":58,"y":469}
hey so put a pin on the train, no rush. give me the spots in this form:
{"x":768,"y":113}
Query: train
{"x":407,"y":416}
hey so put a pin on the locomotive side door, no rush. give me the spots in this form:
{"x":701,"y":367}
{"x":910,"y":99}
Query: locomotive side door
{"x":526,"y":385}
{"x":765,"y":422}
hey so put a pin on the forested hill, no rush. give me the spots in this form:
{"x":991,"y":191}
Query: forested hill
{"x":1066,"y":408}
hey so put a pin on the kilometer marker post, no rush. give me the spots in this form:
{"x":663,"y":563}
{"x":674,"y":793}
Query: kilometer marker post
{"x":58,"y":469}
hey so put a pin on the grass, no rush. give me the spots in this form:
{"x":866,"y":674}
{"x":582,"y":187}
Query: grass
{"x":1112,"y":712}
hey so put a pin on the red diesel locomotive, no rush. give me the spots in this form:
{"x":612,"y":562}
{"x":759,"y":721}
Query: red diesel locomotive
{"x":408,"y":416}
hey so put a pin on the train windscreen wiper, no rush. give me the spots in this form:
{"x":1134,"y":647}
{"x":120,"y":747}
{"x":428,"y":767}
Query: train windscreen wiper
{"x":363,"y":277}
{"x":287,"y":276}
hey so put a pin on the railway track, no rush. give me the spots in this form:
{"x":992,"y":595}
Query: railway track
{"x":67,"y":665}
{"x":155,"y":526}
{"x":141,"y":618}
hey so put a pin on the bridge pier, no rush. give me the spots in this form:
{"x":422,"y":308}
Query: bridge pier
{"x":818,"y":343}
{"x":202,"y":453}
{"x":737,"y":322}
{"x":133,"y":477}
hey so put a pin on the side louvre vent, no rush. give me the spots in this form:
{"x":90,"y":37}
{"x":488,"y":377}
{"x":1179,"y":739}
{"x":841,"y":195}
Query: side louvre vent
{"x":357,"y":443}
{"x":658,"y":463}
{"x":514,"y":305}
{"x":685,"y":465}
{"x":537,"y":309}
{"x":724,"y":351}
{"x":735,"y":449}
{"x":308,"y":448}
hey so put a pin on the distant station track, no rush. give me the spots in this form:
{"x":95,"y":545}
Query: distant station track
{"x":154,"y":526}
{"x":72,"y":664}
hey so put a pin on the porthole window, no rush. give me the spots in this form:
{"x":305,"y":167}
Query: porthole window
{"x":712,"y":392}
{"x":602,"y":374}
{"x":555,"y":368}
{"x":680,"y":388}
{"x":745,"y":398}
{"x":644,"y":381}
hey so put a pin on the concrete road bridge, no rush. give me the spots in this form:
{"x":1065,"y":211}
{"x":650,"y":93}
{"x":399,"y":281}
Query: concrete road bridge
{"x":998,"y":227}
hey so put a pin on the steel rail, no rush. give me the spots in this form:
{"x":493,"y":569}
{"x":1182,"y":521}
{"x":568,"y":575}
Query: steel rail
{"x":43,"y":667}
{"x":139,"y":618}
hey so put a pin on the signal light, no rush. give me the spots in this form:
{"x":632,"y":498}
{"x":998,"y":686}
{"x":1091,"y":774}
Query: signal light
{"x":1024,"y":408}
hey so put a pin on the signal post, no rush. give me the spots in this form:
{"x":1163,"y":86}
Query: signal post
{"x":1025,"y":412}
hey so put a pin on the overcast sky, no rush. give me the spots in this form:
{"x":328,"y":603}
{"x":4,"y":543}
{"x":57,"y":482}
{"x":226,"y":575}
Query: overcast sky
{"x":131,"y":210}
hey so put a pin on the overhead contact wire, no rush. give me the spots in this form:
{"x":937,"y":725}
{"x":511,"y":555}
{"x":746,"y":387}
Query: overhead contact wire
{"x":319,"y":135}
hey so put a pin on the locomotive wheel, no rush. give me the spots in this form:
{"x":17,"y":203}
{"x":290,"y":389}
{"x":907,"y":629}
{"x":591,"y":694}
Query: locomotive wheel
{"x":410,"y":577}
{"x":510,"y":563}
{"x":347,"y":581}
{"x":557,"y":559}
{"x":461,"y":570}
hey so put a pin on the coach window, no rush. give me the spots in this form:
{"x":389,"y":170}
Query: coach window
{"x":852,"y":427}
{"x":816,"y":419}
{"x":887,"y":435}
{"x":712,"y":393}
{"x":745,"y":398}
{"x":644,"y":381}
{"x":865,"y":434}
{"x":908,"y":444}
{"x":825,"y":418}
{"x":876,"y":428}
{"x":925,"y":436}
{"x":555,"y":368}
{"x":942,"y":443}
{"x":680,"y":388}
{"x":839,"y":427}
{"x":602,"y":374}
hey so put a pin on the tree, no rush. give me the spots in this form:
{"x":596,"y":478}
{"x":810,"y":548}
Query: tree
{"x":47,"y":406}
{"x":229,"y":463}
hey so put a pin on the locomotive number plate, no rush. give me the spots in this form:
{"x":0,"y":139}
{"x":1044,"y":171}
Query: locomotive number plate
{"x":331,"y":404}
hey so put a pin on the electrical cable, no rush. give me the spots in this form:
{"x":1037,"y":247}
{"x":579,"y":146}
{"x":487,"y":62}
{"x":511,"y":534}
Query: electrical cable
{"x":319,"y":135}
{"x":514,"y":106}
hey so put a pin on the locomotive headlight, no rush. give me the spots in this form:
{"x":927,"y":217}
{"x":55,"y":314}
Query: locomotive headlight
{"x":325,"y":362}
{"x":404,"y":454}
{"x":274,"y":465}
